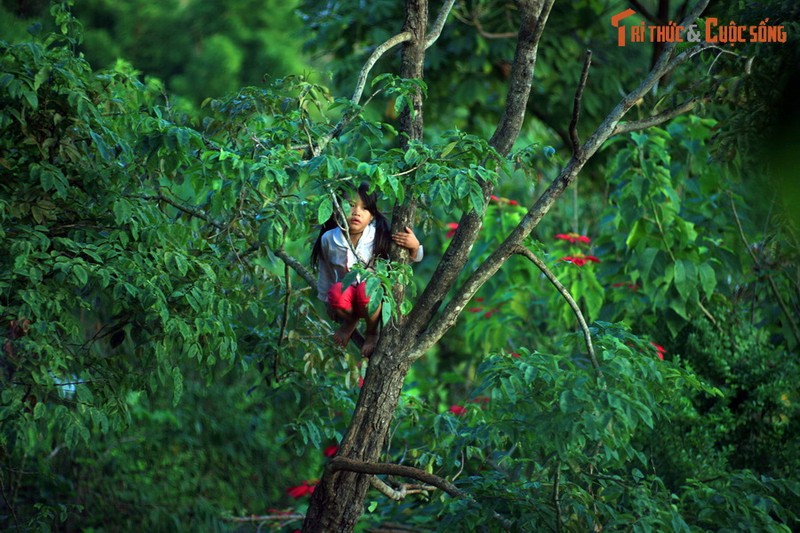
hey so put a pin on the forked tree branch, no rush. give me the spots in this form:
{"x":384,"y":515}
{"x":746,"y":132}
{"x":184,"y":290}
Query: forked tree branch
{"x":398,"y":494}
{"x":587,"y":335}
{"x":448,"y":316}
{"x":343,"y":463}
{"x":534,"y":15}
{"x":363,"y":75}
{"x":362,"y":467}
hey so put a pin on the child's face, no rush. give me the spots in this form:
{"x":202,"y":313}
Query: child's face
{"x":359,"y":216}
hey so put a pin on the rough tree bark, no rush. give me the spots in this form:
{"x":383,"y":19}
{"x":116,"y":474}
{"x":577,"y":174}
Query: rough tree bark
{"x":338,"y":501}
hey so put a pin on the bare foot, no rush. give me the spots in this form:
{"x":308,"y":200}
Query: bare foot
{"x":345,"y":331}
{"x":370,"y":342}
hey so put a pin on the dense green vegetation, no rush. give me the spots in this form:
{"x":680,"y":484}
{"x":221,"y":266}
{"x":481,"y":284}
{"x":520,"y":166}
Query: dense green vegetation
{"x":164,"y":368}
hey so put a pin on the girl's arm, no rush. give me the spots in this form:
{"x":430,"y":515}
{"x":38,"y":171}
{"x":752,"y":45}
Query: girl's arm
{"x":409,"y":241}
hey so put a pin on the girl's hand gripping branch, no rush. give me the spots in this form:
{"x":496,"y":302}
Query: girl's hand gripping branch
{"x":407,"y":240}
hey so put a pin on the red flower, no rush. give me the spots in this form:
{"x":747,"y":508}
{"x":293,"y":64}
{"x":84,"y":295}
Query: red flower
{"x":458,"y":410}
{"x":304,"y":489}
{"x":331,"y":450}
{"x":515,"y":354}
{"x":475,"y":309}
{"x":660,"y":351}
{"x":488,"y":314}
{"x":573,"y":238}
{"x":478,"y":299}
{"x":453,"y":226}
{"x":360,"y":382}
{"x":580,"y":260}
{"x":494,"y":198}
{"x":513,"y":202}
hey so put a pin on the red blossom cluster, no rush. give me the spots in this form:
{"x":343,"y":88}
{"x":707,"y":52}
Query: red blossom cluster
{"x":660,"y":351}
{"x":573,"y":238}
{"x":331,"y":450}
{"x":632,"y":286}
{"x":458,"y":410}
{"x":580,"y":259}
{"x":306,"y":488}
{"x":494,"y":198}
{"x":453,"y":227}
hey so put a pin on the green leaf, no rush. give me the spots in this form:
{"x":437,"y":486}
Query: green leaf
{"x":80,"y":274}
{"x":685,"y":278}
{"x":177,"y":384}
{"x":122,"y":211}
{"x":708,"y":279}
{"x":637,"y":232}
{"x":325,"y":210}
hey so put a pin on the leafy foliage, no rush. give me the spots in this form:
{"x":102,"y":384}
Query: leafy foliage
{"x":162,"y":369}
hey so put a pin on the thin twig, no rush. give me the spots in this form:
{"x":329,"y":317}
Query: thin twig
{"x":556,"y":497}
{"x":576,"y":106}
{"x":476,"y":21}
{"x":265,"y":518}
{"x":636,"y":125}
{"x":8,"y":503}
{"x":436,"y":29}
{"x":587,"y":335}
{"x":179,"y":207}
{"x":773,"y":285}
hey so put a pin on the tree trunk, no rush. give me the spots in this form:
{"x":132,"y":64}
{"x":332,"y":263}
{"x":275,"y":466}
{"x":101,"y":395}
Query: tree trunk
{"x":338,"y":501}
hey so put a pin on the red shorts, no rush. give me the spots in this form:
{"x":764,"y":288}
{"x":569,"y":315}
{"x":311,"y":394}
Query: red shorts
{"x":353,"y":297}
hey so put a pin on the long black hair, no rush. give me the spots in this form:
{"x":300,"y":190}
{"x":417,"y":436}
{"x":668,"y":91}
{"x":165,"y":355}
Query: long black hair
{"x":383,"y":233}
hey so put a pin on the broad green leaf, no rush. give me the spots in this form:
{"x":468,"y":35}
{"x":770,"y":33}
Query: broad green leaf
{"x":325,"y":210}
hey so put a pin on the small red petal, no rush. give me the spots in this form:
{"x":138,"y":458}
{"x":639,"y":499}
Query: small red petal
{"x":494,"y":198}
{"x":360,"y":382}
{"x":458,"y":410}
{"x":331,"y":450}
{"x":592,"y":258}
{"x":578,"y":261}
{"x":515,"y":354}
{"x":475,"y":309}
{"x":513,"y":202}
{"x":584,"y":239}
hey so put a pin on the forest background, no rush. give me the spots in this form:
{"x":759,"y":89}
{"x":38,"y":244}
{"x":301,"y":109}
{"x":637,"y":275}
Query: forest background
{"x":165,"y":364}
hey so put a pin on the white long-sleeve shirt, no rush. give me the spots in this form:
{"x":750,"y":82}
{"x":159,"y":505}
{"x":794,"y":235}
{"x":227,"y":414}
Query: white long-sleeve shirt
{"x":337,"y":257}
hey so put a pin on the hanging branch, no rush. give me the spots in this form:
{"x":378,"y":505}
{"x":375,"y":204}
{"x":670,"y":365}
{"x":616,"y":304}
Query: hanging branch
{"x":772,"y":284}
{"x":436,"y":29}
{"x":576,"y":107}
{"x":587,"y":335}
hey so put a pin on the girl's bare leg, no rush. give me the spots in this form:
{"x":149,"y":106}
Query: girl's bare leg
{"x":348,"y":321}
{"x":371,"y":335}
